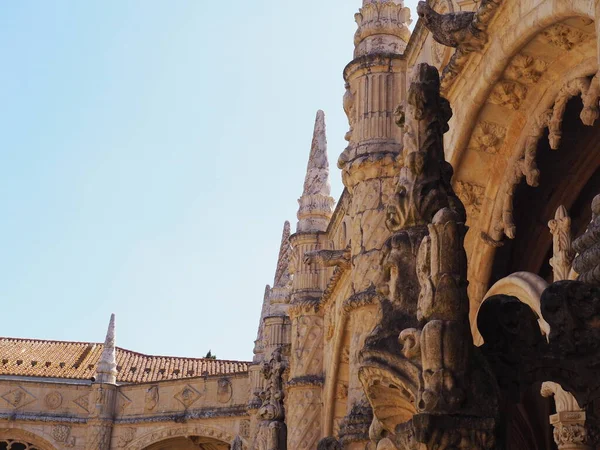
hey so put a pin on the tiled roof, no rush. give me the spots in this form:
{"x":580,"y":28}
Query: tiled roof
{"x":78,"y":360}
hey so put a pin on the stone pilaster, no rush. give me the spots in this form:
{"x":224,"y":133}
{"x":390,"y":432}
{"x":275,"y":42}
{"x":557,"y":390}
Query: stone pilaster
{"x":305,"y":385}
{"x":375,"y":82}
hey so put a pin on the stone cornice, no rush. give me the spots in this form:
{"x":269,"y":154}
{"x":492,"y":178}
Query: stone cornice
{"x":182,"y":417}
{"x":370,"y":62}
{"x":307,"y":380}
{"x":41,"y":417}
{"x":305,"y":306}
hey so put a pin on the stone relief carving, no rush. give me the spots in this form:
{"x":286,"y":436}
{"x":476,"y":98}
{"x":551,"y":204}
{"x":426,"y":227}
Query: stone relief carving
{"x":245,"y":428}
{"x":62,"y":435}
{"x":83,"y":402}
{"x":152,"y":397}
{"x":472,"y":197}
{"x":272,"y":433}
{"x":488,"y":137}
{"x":224,"y":390}
{"x":348,"y":102}
{"x":188,"y":396}
{"x":564,"y":37}
{"x":526,"y":69}
{"x":509,"y":94}
{"x":126,"y":435}
{"x":562,"y":244}
{"x":18,"y":398}
{"x":53,"y":400}
{"x":123,"y":402}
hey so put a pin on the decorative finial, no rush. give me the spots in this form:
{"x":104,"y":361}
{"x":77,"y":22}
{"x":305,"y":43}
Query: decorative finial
{"x":587,"y":262}
{"x":562,"y":249}
{"x":382,"y":27}
{"x":316,"y":203}
{"x":107,"y":367}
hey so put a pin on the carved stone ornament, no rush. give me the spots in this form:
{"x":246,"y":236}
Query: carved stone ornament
{"x":472,"y":197}
{"x":562,"y":244}
{"x":452,"y":29}
{"x":152,"y":398}
{"x":564,"y":37}
{"x":18,"y":398}
{"x":62,"y":435}
{"x":224,"y":390}
{"x":272,"y":433}
{"x":53,"y":400}
{"x":188,"y":396}
{"x":509,"y":94}
{"x":526,"y":69}
{"x":488,"y":137}
{"x":421,"y":373}
{"x":126,"y":435}
{"x":329,"y":258}
{"x":587,"y":262}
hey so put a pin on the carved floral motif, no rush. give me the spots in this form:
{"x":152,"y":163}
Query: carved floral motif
{"x":53,"y":400}
{"x":564,"y":37}
{"x":488,"y":137}
{"x":62,"y":435}
{"x":472,"y":197}
{"x":509,"y":94}
{"x":526,"y":69}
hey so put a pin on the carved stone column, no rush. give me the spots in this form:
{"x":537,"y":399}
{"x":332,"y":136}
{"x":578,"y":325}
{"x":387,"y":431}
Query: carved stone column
{"x":375,"y":82}
{"x":426,"y":382}
{"x":569,"y":421}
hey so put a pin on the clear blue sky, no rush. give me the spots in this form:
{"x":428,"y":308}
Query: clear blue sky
{"x":150,"y":153}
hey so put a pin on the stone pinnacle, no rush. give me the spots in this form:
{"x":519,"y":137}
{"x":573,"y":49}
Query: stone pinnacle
{"x":282,"y":275}
{"x":107,"y":367}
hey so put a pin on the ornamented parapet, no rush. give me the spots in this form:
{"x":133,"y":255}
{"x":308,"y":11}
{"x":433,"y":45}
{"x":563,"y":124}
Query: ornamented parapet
{"x":419,"y":368}
{"x":382,"y":27}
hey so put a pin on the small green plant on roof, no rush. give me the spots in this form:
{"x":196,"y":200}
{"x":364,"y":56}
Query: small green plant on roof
{"x":209,"y":355}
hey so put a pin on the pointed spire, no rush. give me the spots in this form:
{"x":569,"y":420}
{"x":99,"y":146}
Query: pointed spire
{"x":316,"y":204}
{"x":317,"y":171}
{"x":282,"y":273}
{"x":107,"y":367}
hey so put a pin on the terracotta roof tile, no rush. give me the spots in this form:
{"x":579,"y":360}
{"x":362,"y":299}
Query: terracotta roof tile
{"x":78,"y":360}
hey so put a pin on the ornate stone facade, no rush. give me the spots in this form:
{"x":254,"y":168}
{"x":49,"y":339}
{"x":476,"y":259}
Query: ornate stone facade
{"x":467,"y":213}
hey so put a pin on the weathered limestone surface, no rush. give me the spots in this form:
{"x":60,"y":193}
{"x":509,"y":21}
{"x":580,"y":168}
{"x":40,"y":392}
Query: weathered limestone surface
{"x":363,"y":338}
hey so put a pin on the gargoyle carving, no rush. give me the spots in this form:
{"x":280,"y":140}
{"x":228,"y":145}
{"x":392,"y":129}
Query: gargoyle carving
{"x":329,"y":258}
{"x":452,"y":29}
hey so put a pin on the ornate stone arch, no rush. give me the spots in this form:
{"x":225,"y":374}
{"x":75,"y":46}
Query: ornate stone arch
{"x":177,"y":430}
{"x":24,"y":436}
{"x":525,"y":286}
{"x":505,"y":89}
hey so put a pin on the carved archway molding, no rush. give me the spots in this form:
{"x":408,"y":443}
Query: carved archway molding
{"x":176,"y":430}
{"x":19,"y":434}
{"x":513,"y":80}
{"x":527,"y":287}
